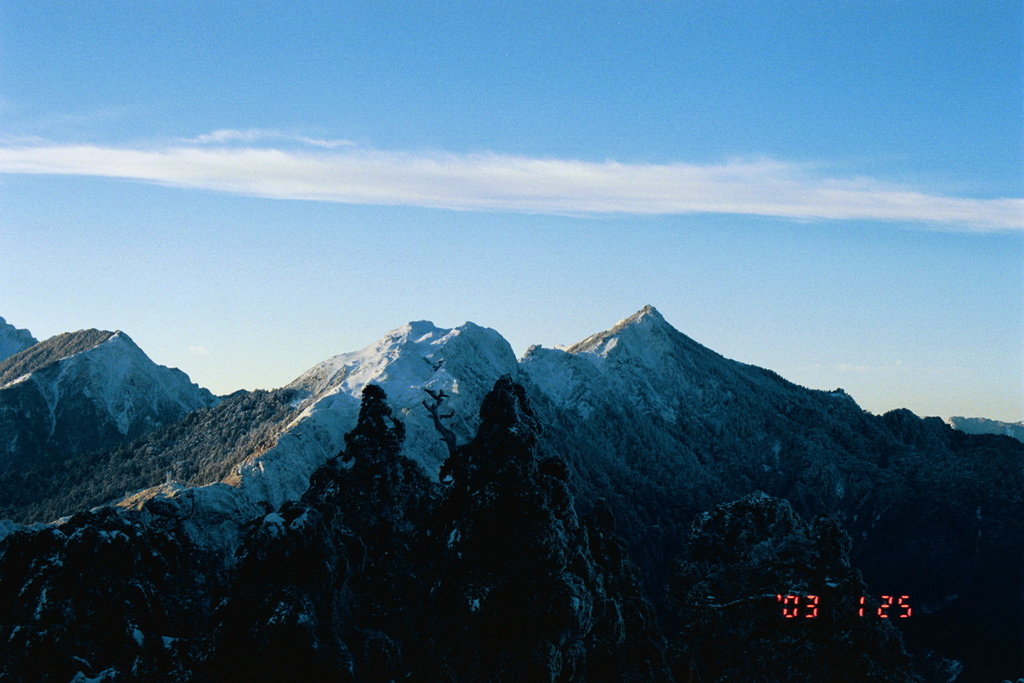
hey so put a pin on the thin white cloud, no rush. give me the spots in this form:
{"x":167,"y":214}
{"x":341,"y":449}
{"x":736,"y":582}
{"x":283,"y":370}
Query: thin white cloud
{"x":226,"y":135}
{"x":473,"y":182}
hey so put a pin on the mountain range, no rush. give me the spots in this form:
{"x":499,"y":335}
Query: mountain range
{"x":644,"y":423}
{"x":981,"y":425}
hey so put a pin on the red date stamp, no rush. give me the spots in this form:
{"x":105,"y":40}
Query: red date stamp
{"x":807,"y":607}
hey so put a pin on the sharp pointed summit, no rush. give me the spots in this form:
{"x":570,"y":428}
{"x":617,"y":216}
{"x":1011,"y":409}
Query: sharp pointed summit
{"x":647,"y":315}
{"x":645,"y":338}
{"x":647,"y":318}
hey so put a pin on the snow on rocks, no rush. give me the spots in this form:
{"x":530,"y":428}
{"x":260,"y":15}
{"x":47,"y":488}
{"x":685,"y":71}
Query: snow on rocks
{"x":460,"y":365}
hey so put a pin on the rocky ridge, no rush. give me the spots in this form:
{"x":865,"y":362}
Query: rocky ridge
{"x":13,"y":340}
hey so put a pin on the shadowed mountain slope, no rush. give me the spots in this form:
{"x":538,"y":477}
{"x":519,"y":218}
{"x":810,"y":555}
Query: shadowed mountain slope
{"x":80,"y":391}
{"x":77,"y":393}
{"x":13,"y":340}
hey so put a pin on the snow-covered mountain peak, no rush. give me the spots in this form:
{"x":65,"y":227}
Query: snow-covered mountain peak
{"x":406,"y":362}
{"x":419,"y":331}
{"x":98,"y":350}
{"x":413,"y":355}
{"x":13,"y":340}
{"x":46,"y":353}
{"x":644,"y":338}
{"x":123,"y":344}
{"x":129,"y":384}
{"x":642,"y":360}
{"x":80,"y":392}
{"x":648,"y":315}
{"x":418,"y":365}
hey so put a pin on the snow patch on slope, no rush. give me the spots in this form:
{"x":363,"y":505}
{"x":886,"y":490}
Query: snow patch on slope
{"x":567,"y":379}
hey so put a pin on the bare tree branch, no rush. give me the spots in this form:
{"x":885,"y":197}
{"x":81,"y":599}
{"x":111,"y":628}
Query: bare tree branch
{"x":447,"y":435}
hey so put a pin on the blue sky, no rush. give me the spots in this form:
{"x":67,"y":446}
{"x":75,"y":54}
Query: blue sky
{"x":832,"y":190}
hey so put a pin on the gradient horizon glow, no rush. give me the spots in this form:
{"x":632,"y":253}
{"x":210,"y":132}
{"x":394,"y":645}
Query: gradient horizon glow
{"x":834,"y":191}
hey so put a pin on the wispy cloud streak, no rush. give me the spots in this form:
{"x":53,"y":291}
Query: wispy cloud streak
{"x":227,"y":135}
{"x":339,"y":172}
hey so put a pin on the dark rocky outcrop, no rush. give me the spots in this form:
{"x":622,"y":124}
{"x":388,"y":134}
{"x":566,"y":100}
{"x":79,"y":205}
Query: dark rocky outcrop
{"x":104,"y":596}
{"x":765,"y":596}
